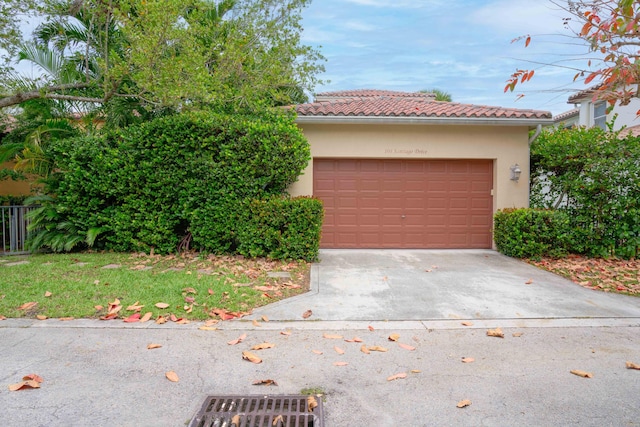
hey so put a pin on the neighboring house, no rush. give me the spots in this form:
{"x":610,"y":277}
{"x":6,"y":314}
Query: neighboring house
{"x":568,"y":119}
{"x":594,"y":112}
{"x":400,"y":170}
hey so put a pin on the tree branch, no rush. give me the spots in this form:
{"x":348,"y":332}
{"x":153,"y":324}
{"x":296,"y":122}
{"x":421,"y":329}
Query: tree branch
{"x":21,"y":97}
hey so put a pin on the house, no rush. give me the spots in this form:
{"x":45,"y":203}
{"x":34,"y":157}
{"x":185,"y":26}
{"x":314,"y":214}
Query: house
{"x":401,"y":170}
{"x":593,"y":112}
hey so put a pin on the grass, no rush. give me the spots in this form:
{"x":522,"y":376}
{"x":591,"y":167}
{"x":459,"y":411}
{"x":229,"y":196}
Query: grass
{"x":78,"y":285}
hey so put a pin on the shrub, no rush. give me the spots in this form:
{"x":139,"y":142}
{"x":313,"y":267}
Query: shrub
{"x":160,"y":183}
{"x":281,"y":228}
{"x":532,"y":233}
{"x":594,"y":176}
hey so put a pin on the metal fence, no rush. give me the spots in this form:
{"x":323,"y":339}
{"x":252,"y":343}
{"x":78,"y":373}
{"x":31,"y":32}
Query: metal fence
{"x":14,"y":229}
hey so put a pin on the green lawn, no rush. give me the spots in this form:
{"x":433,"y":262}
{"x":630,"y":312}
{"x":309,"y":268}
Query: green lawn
{"x":79,"y":285}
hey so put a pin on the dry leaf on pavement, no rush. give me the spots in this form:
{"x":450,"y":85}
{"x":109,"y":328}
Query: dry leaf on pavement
{"x":247,"y":355}
{"x":316,"y":351}
{"x":146,"y":317}
{"x":263,"y":346}
{"x":377,"y":348}
{"x":340,"y":363}
{"x":397,"y":376}
{"x":338,"y":350}
{"x":265,"y":318}
{"x":172,"y":376}
{"x":463,"y":403}
{"x":497,"y":332}
{"x":394,"y":337}
{"x":41,"y":317}
{"x":307,"y":314}
{"x":467,"y":323}
{"x":468,"y":360}
{"x":406,"y":346}
{"x":24,"y":385}
{"x":354,"y":339}
{"x":371,"y":328}
{"x":237,"y":340}
{"x":264,"y":382}
{"x":631,"y":365}
{"x":153,"y":345}
{"x":208,"y":328}
{"x":33,"y":377}
{"x":582,"y":374}
{"x":364,"y":349}
{"x":332,"y":336}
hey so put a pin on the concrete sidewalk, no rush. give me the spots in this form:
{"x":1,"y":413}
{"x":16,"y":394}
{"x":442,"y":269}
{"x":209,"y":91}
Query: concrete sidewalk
{"x":447,"y":285}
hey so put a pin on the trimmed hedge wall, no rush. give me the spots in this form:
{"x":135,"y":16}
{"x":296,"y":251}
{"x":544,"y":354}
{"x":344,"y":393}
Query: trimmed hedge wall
{"x":195,"y":178}
{"x":532,"y":233}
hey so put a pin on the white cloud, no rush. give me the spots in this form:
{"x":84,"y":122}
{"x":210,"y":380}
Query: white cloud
{"x":359,"y":26}
{"x":520,"y":17}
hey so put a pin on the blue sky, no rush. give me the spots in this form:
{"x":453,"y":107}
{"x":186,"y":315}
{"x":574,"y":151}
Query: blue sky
{"x":462,"y":47}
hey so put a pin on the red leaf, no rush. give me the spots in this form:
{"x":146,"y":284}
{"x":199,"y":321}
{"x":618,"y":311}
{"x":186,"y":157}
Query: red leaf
{"x":133,"y":318}
{"x":527,"y":41}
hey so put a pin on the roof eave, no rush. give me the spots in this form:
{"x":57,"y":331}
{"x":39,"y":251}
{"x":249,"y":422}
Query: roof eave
{"x":479,"y":121}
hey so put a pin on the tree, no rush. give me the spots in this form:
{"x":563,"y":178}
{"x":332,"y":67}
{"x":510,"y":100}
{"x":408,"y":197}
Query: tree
{"x":166,"y":54}
{"x":611,"y":30}
{"x":440,"y":94}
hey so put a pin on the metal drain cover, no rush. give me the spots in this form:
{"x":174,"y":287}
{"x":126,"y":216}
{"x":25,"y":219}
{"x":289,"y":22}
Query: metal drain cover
{"x":259,"y":411}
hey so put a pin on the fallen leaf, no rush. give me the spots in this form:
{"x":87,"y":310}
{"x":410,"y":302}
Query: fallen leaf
{"x":331,"y":336}
{"x":415,"y":371}
{"x":182,"y":321}
{"x":265,"y":382}
{"x":190,"y":290}
{"x":152,"y":346}
{"x":278,"y":421}
{"x":528,"y":282}
{"x":466,"y":323}
{"x":237,"y":340}
{"x":397,"y":376}
{"x":33,"y":377}
{"x":582,"y":374}
{"x":66,"y":319}
{"x":235,"y":421}
{"x":160,"y":320}
{"x":256,"y":323}
{"x":468,"y":360}
{"x":263,"y":346}
{"x":517,"y":334}
{"x":210,"y":291}
{"x":463,"y":403}
{"x":406,"y":346}
{"x":287,"y":333}
{"x":41,"y":317}
{"x":497,"y":332}
{"x":172,"y":376}
{"x":208,"y":328}
{"x":338,"y":349}
{"x":317,"y":351}
{"x":189,"y":300}
{"x":631,"y":365}
{"x":354,"y":339}
{"x":211,"y":322}
{"x":28,"y":305}
{"x":3,"y":317}
{"x":109,"y":316}
{"x":133,"y":318}
{"x":265,"y":318}
{"x":364,"y":349}
{"x":340,"y":363}
{"x":173,"y":317}
{"x":146,"y":317}
{"x":312,"y":403}
{"x":394,"y":337}
{"x":247,"y":355}
{"x":371,"y":328}
{"x":98,"y":307}
{"x":162,"y":305}
{"x":47,"y":294}
{"x":24,"y":385}
{"x":307,"y":314}
{"x":377,"y":348}
{"x":135,"y":306}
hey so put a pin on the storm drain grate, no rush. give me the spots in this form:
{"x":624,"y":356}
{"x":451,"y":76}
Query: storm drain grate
{"x":259,"y":411}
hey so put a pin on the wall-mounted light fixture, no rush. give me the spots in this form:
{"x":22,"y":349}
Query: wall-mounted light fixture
{"x":515,"y":172}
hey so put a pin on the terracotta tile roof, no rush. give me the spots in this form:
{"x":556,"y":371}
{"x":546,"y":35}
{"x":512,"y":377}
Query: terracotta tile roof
{"x":631,"y":130}
{"x":398,"y":106}
{"x":577,"y":97}
{"x":574,"y":112}
{"x":372,"y":93}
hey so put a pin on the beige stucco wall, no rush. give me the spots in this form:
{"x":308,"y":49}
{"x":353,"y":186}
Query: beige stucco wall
{"x":13,"y":188}
{"x":506,"y":145}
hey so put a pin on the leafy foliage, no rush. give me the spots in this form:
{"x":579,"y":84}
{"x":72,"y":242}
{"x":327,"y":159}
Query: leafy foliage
{"x":594,"y":176}
{"x":532,"y":233}
{"x":179,"y":181}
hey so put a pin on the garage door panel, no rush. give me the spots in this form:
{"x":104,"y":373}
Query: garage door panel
{"x":445,"y":203}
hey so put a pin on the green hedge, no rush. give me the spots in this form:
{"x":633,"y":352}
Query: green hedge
{"x":532,"y":233}
{"x":159,"y":184}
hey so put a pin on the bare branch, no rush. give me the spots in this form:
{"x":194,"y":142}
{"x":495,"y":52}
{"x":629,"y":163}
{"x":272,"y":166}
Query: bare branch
{"x":47,"y":92}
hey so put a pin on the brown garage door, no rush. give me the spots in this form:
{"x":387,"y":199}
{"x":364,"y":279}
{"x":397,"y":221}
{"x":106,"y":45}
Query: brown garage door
{"x":405,"y":203}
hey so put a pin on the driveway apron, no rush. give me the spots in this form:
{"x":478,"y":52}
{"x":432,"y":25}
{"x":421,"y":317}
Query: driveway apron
{"x":401,"y":285}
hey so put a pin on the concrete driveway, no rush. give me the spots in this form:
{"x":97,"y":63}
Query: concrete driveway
{"x":447,"y":285}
